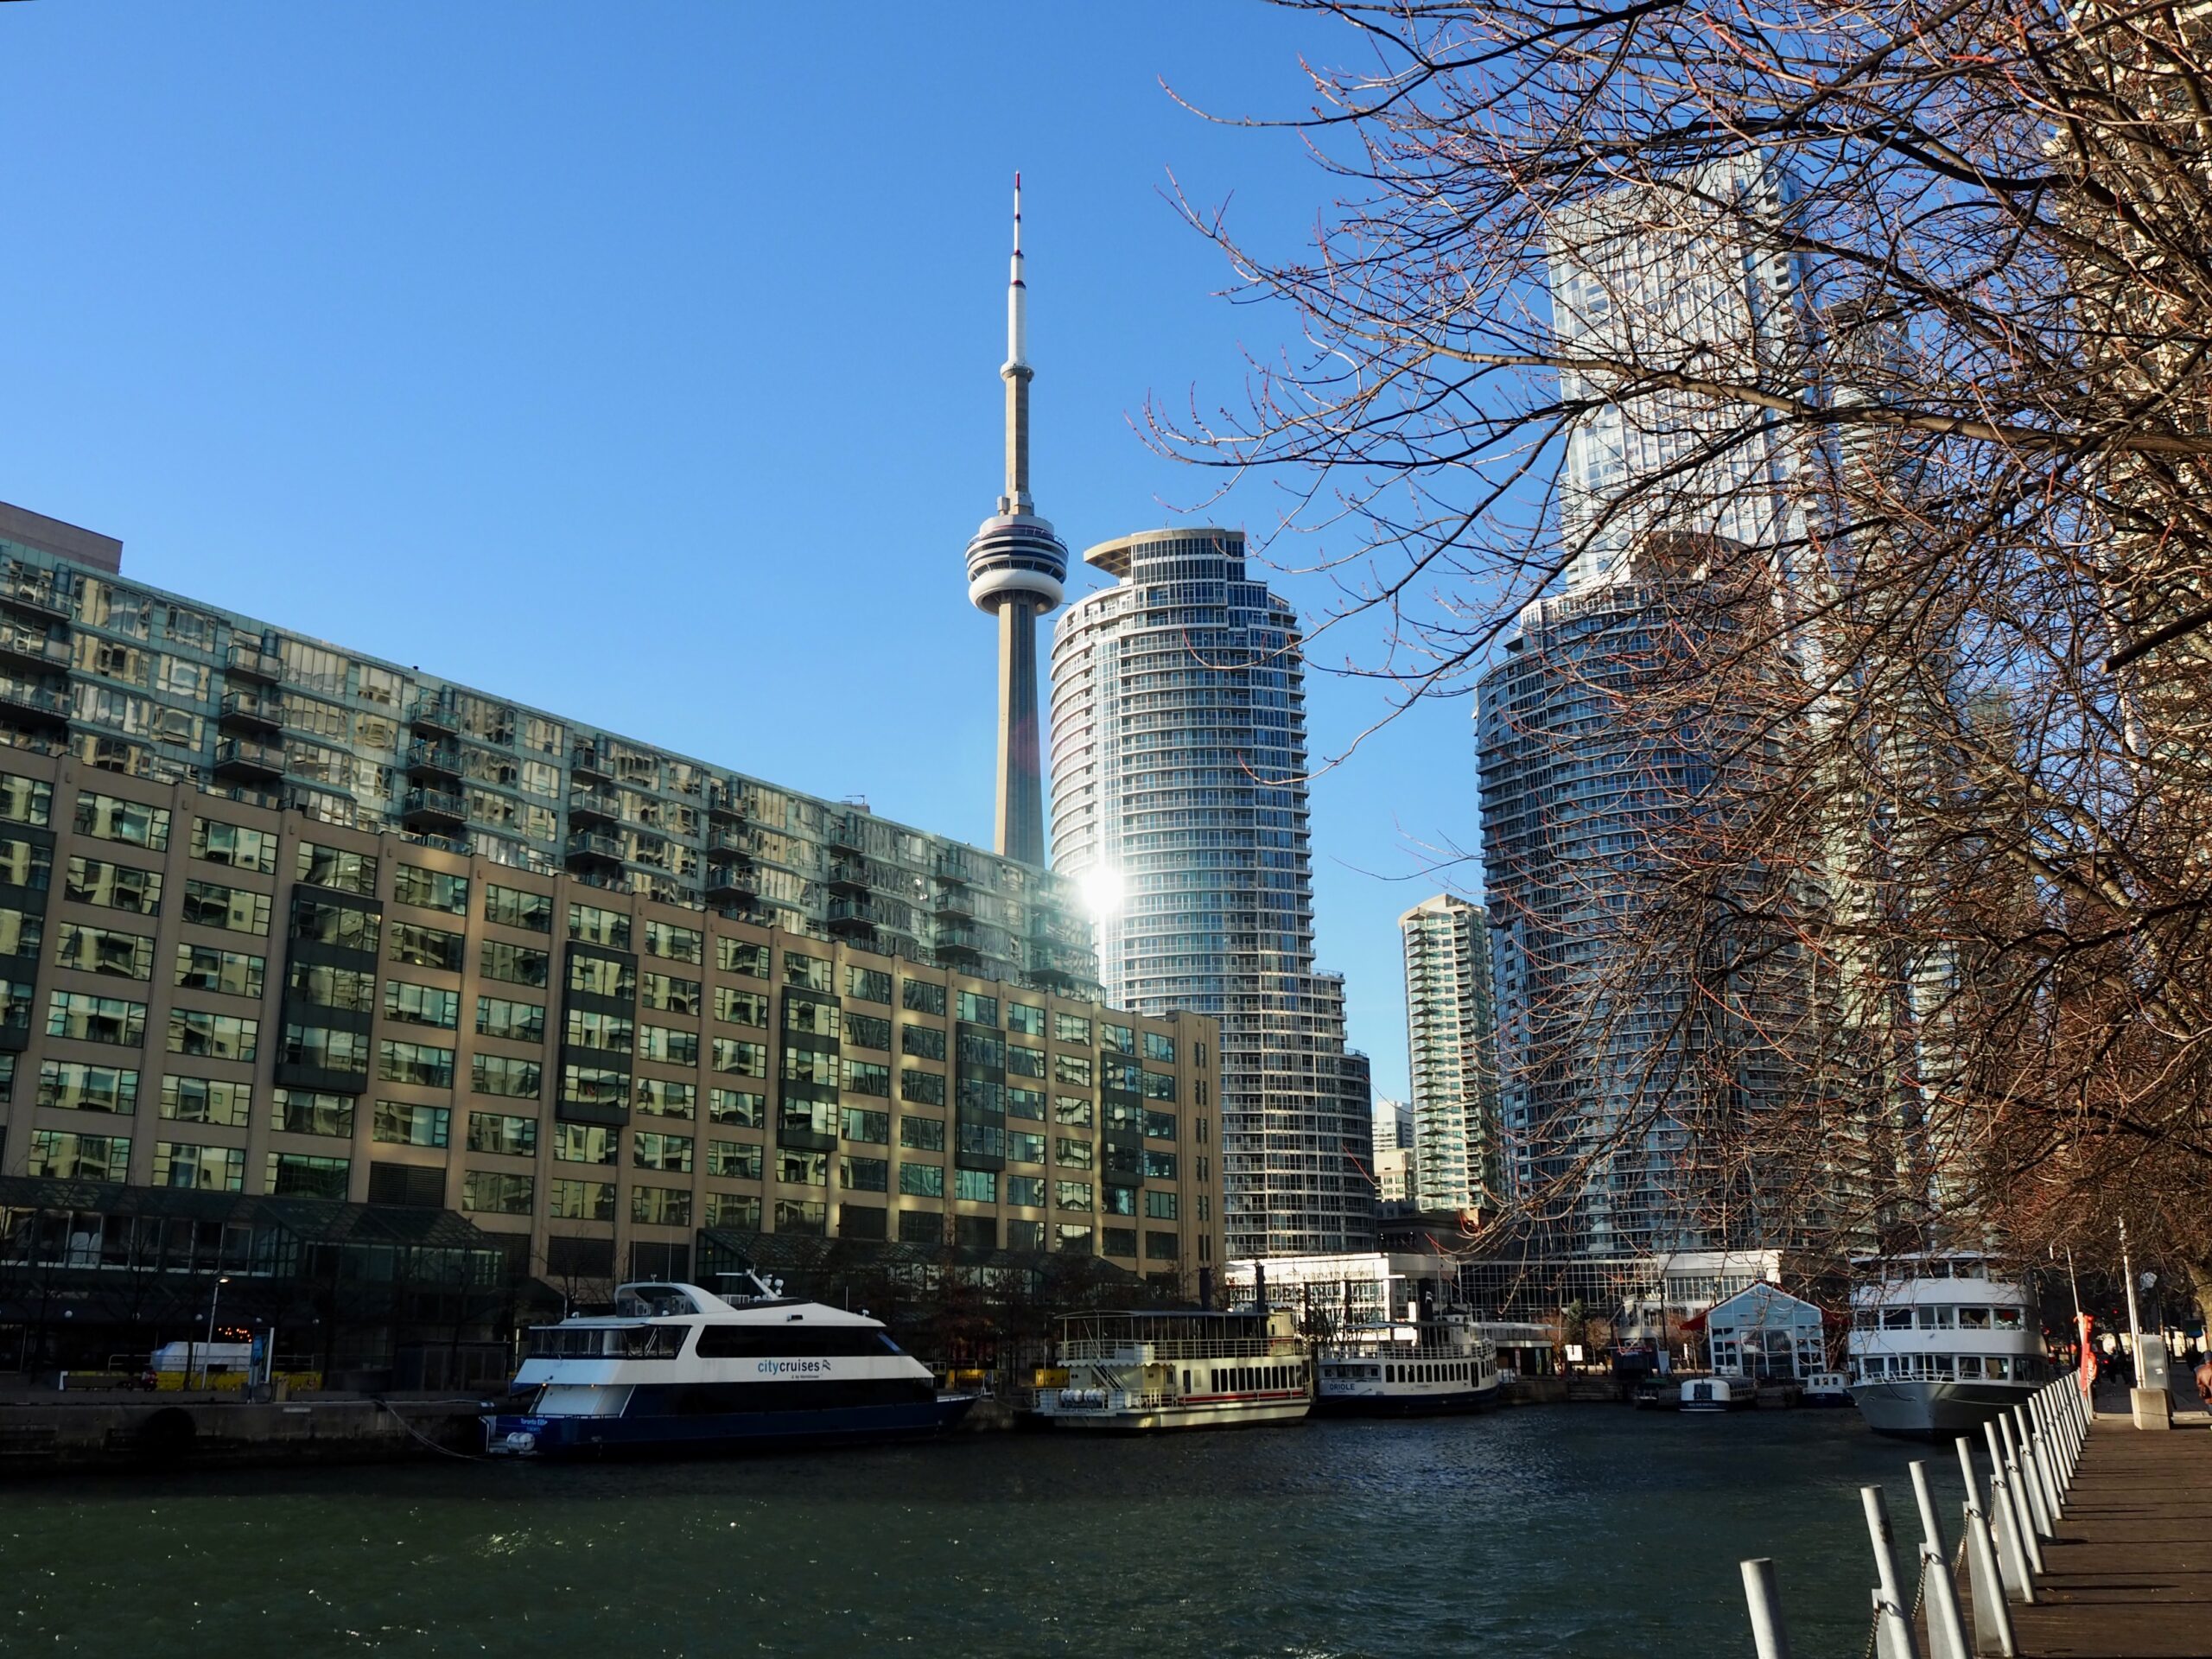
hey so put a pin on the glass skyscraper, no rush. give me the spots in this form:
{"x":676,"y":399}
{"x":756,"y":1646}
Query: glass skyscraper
{"x":1179,"y":803}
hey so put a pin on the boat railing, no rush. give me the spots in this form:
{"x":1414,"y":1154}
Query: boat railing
{"x":1170,"y":1348}
{"x":1102,"y":1400}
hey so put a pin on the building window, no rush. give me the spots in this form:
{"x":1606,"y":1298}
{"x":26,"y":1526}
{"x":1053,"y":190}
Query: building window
{"x":594,"y":1085}
{"x":669,"y":1154}
{"x":502,"y":1132}
{"x":334,"y":866}
{"x":512,"y":964}
{"x":60,"y":1155}
{"x":519,"y":907}
{"x":1072,"y":1238}
{"x":1071,"y":1028}
{"x":921,"y":1134}
{"x":1071,"y":1195}
{"x":204,"y":968}
{"x":1122,"y":1039}
{"x":1072,"y":1111}
{"x":863,"y":1077}
{"x":73,"y":1085}
{"x":26,"y":800}
{"x":1025,"y":1235}
{"x":421,"y":1004}
{"x":424,"y":1065}
{"x":1159,"y":1207}
{"x":592,"y":925}
{"x":602,"y":976}
{"x":112,"y":886}
{"x":204,"y":1169}
{"x":921,"y":1227}
{"x":505,"y":1077}
{"x":923,"y":1042}
{"x":234,"y":845}
{"x":976,"y":1185}
{"x":1072,"y":1068}
{"x":128,"y":822}
{"x":206,"y":1100}
{"x":582,"y":1201}
{"x":736,"y":1106}
{"x":1159,"y":1047}
{"x":740,"y":1007}
{"x":1160,"y":1126}
{"x":212,"y":1036}
{"x":676,"y":943}
{"x":1025,"y":1190}
{"x":868,"y":985}
{"x":921,"y":1180}
{"x":1024,"y":1062}
{"x":398,"y":1122}
{"x":658,"y":1097}
{"x":733,"y":1160}
{"x":870,"y":1129}
{"x":742,"y":956}
{"x":426,"y":947}
{"x":494,"y":1192}
{"x":809,"y":973}
{"x":520,"y":1022}
{"x":1025,"y":1104}
{"x":921,"y":996}
{"x":670,"y":994}
{"x":298,"y":1111}
{"x":613,"y":1033}
{"x":104,"y":951}
{"x":1024,"y":1149}
{"x":302,"y":1175}
{"x":1029,"y":1021}
{"x":864,"y":1174}
{"x":737,"y":1210}
{"x":799,"y":1168}
{"x":92,"y":1019}
{"x":343,"y":925}
{"x":866,"y":1031}
{"x":1070,"y":1153}
{"x":976,"y":1009}
{"x":430,"y":889}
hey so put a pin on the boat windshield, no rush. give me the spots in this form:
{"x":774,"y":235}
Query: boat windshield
{"x":607,"y":1341}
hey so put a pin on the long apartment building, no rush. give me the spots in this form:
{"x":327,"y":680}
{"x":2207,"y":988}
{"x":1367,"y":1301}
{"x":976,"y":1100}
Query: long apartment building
{"x":233,"y":985}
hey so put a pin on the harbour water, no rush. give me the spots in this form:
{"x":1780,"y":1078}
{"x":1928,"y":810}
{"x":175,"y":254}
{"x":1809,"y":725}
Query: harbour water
{"x":1568,"y":1530}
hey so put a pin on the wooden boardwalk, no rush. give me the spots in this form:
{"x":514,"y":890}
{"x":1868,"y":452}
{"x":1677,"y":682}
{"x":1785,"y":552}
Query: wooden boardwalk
{"x":2130,"y":1576}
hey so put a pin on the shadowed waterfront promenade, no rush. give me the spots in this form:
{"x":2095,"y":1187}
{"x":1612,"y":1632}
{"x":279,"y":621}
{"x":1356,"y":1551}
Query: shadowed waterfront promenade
{"x":2130,"y":1576}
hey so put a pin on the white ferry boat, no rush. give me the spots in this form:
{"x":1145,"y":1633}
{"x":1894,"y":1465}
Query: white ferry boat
{"x":676,"y":1368}
{"x":1180,"y":1371}
{"x":1410,"y":1368}
{"x":1722,"y":1391}
{"x":1942,"y":1341}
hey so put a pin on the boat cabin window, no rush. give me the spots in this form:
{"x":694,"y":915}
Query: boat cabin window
{"x":1973,"y":1318}
{"x":2008,"y":1318}
{"x":792,"y":1341}
{"x":1896,"y":1319}
{"x":1935,"y":1318}
{"x":1997,"y":1366}
{"x":607,"y":1341}
{"x":1970,"y":1367}
{"x":654,"y":1301}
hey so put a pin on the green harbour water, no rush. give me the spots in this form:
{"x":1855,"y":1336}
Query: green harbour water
{"x":1579,"y":1531}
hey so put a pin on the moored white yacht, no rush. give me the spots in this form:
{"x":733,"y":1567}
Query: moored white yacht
{"x":1148,"y":1370}
{"x":678,"y":1368}
{"x":1407,"y":1369}
{"x":1942,"y":1341}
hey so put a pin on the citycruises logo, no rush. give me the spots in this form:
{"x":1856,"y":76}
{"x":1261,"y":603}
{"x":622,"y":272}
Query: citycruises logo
{"x":793,"y":1367}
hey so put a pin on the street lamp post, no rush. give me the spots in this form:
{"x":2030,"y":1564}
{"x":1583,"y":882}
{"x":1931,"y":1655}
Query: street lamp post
{"x":213,"y":1302}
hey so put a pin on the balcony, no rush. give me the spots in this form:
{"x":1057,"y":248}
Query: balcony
{"x":737,"y":880}
{"x":732,"y":838}
{"x":435,"y":712}
{"x":847,"y":875}
{"x":587,"y":806}
{"x":590,"y":847}
{"x":852,"y":918}
{"x":247,"y":759}
{"x":21,"y":646}
{"x":433,"y":809}
{"x":957,"y":939}
{"x":588,"y":765}
{"x":250,"y":711}
{"x":725,"y":803}
{"x":846,"y":836}
{"x":428,"y":759}
{"x":33,"y":705}
{"x":35,"y":594}
{"x":950,"y":865}
{"x":953,"y":902}
{"x":253,"y":662}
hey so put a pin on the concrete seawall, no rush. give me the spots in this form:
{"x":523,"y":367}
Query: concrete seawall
{"x":45,"y":1436}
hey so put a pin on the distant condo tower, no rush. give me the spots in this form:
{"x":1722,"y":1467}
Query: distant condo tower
{"x":1017,"y":567}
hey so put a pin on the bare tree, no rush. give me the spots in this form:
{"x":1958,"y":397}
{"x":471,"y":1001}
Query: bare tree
{"x":1904,"y":308}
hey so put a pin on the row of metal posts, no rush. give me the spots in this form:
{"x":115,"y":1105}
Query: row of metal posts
{"x":2033,"y":1452}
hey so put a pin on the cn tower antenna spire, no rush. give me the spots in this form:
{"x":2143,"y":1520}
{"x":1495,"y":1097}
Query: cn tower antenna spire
{"x":1016,"y":568}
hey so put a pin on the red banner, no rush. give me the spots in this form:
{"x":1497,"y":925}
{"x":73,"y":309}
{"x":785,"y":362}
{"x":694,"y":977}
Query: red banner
{"x":2088,"y":1353}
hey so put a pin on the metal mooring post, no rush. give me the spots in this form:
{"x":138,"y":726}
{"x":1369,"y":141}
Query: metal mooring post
{"x":1892,"y":1617}
{"x":1946,"y":1633}
{"x":2020,"y":1583}
{"x":1993,"y":1619}
{"x":1763,"y":1594}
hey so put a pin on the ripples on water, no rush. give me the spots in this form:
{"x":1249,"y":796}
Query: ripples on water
{"x":1560,"y":1530}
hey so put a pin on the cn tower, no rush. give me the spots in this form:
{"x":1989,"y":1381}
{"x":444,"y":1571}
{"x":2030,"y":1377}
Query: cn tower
{"x":1017,"y":570}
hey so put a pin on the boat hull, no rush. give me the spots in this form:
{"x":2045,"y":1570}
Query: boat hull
{"x":1150,"y":1419}
{"x":570,"y":1437}
{"x":1383,"y":1403}
{"x":1933,"y":1410}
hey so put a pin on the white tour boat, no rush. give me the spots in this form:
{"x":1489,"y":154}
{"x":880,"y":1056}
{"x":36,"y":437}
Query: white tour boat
{"x":1942,"y":1341}
{"x":1408,"y":1369}
{"x":676,"y":1368}
{"x":1723,"y":1391}
{"x":1180,"y":1371}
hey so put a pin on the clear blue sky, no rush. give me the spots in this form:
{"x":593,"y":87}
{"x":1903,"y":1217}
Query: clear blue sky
{"x":537,"y":343}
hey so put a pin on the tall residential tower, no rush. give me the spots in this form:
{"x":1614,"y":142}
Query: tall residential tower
{"x":1452,"y":1044}
{"x":1017,"y":567}
{"x":1179,"y":801}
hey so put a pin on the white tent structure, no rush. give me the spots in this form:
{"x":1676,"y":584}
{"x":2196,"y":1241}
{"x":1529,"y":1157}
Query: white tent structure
{"x":1764,"y":1331}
